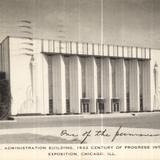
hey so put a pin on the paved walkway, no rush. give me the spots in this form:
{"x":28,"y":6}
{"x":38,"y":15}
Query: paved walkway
{"x":109,"y":115}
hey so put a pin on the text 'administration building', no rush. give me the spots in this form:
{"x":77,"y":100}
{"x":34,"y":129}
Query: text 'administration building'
{"x":56,"y":77}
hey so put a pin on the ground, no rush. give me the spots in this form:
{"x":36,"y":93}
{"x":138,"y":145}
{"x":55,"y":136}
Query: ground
{"x":47,"y":129}
{"x":149,"y":120}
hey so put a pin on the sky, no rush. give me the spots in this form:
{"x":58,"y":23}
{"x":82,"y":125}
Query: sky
{"x":125,"y":22}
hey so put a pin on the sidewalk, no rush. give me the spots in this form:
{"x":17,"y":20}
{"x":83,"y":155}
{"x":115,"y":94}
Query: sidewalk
{"x":90,"y":116}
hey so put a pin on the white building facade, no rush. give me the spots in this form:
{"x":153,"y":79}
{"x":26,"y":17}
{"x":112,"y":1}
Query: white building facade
{"x":56,"y":77}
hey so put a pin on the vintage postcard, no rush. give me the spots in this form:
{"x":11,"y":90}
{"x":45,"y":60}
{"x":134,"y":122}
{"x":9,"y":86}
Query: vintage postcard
{"x":79,"y":79}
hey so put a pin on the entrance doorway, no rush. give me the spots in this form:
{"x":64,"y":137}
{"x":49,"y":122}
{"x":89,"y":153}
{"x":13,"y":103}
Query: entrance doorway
{"x":85,"y":105}
{"x":85,"y":108}
{"x":67,"y":106}
{"x":100,"y":105}
{"x":141,"y":103}
{"x":50,"y":106}
{"x":115,"y":105}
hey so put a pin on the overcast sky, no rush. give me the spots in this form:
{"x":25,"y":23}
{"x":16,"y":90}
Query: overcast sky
{"x":126,"y":22}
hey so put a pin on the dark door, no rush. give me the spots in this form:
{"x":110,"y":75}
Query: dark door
{"x":115,"y":107}
{"x":67,"y":106}
{"x":100,"y":107}
{"x":50,"y":106}
{"x":85,"y":108}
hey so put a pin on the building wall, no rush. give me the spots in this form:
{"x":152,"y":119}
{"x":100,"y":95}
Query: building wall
{"x":31,"y":95}
{"x":5,"y":58}
{"x":107,"y":83}
{"x":21,"y":77}
{"x":91,"y":82}
{"x":79,"y":48}
{"x":75,"y":78}
{"x":42,"y":84}
{"x":59,"y":84}
{"x":120,"y":78}
{"x":147,"y":86}
{"x":155,"y":98}
{"x":134,"y":88}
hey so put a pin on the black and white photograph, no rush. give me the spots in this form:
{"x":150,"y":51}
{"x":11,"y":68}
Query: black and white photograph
{"x":79,"y":79}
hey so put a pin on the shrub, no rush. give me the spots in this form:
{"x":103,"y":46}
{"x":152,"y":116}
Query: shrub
{"x":5,"y":99}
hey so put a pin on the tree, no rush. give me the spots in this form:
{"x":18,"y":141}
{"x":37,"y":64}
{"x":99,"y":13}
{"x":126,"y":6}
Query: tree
{"x":5,"y":99}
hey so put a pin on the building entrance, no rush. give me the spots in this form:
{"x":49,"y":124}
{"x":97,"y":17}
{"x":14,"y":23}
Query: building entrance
{"x":67,"y":106}
{"x":100,"y":105}
{"x":50,"y":106}
{"x":115,"y":105}
{"x":85,"y":105}
{"x":141,"y":103}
